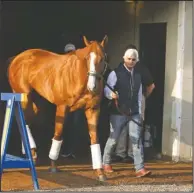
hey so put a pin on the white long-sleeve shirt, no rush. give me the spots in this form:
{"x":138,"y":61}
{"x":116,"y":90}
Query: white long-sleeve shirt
{"x":111,"y":81}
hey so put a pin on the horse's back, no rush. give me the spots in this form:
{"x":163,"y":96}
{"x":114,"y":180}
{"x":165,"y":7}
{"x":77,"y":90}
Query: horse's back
{"x":27,"y":63}
{"x":53,"y":76}
{"x":32,"y":55}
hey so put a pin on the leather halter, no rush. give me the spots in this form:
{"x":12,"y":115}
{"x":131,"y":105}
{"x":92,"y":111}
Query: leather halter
{"x":97,"y":74}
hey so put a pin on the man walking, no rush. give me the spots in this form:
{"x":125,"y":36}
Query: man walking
{"x":123,"y":150}
{"x":127,"y":82}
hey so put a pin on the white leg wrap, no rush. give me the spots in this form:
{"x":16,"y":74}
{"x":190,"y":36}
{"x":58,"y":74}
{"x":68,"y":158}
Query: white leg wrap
{"x":55,"y":149}
{"x":96,"y":156}
{"x":31,"y":140}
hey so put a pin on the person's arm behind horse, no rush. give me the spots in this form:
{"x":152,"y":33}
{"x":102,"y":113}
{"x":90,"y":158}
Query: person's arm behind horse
{"x":149,"y":90}
{"x":147,"y":81}
{"x":111,"y":81}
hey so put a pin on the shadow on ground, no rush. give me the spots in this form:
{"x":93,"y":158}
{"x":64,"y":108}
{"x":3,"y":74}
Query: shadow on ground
{"x":78,"y":173}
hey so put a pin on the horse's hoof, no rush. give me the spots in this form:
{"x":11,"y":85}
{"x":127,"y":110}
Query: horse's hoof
{"x":54,"y":170}
{"x":102,"y":178}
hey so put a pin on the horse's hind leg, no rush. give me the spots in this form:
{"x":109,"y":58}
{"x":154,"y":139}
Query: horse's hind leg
{"x":57,"y":140}
{"x":92,"y":116}
{"x":30,"y":110}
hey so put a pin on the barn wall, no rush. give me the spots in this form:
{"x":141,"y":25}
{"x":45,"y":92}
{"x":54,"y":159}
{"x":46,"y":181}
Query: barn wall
{"x":187,"y":87}
{"x":177,"y":118}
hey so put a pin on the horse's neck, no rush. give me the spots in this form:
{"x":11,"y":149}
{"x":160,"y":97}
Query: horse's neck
{"x":76,"y":62}
{"x":83,"y":52}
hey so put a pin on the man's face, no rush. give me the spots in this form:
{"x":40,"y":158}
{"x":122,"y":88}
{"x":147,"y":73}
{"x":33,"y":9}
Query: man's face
{"x":130,"y":58}
{"x":130,"y":62}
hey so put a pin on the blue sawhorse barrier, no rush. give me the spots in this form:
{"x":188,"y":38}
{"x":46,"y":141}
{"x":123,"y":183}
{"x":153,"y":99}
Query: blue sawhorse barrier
{"x":9,"y":161}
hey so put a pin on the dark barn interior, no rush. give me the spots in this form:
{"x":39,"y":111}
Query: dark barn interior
{"x":50,"y":25}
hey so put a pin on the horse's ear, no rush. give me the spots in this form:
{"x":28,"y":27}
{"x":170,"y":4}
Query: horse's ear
{"x":87,"y":43}
{"x":104,"y":41}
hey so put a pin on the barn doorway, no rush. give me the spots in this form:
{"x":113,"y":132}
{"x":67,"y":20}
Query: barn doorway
{"x":152,"y":54}
{"x":30,"y":24}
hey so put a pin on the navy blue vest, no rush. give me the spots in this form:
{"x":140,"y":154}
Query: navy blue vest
{"x":128,"y":91}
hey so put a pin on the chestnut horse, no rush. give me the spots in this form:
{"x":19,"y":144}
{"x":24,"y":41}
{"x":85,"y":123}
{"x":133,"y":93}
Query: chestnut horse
{"x":70,"y":81}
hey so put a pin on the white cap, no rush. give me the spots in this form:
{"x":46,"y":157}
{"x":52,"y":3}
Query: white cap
{"x":131,"y":53}
{"x":69,"y":47}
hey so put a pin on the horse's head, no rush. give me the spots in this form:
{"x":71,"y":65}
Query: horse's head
{"x":96,"y":62}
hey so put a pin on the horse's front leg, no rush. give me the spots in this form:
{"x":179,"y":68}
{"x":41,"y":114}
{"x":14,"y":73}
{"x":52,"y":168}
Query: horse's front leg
{"x":57,"y":140}
{"x":92,"y":116}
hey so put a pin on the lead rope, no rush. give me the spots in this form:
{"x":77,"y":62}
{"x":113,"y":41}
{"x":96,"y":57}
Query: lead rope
{"x":129,"y":116}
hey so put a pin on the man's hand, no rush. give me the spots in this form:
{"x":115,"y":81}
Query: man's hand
{"x":149,"y":89}
{"x":114,"y":95}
